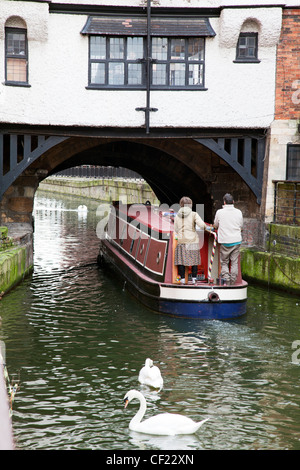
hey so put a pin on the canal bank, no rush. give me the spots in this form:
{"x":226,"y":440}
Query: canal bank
{"x":271,"y":270}
{"x":16,"y":255}
{"x":102,"y":189}
{"x":278,"y":266}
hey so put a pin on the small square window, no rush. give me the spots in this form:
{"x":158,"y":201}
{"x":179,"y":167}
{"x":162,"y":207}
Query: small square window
{"x":97,"y":73}
{"x":247,"y":48}
{"x":135,"y":48}
{"x":97,"y":47}
{"x":159,"y":74}
{"x":195,"y":49}
{"x":116,"y":73}
{"x":177,"y":49}
{"x":134,"y":74}
{"x":293,"y":163}
{"x":116,"y":48}
{"x":177,"y":74}
{"x":160,"y":48}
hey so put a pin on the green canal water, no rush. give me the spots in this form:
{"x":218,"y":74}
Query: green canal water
{"x":76,"y":340}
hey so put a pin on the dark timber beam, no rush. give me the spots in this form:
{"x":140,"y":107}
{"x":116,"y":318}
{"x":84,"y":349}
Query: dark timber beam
{"x":245,"y":155}
{"x":17,"y":152}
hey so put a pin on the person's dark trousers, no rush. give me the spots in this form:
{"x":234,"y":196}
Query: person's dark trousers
{"x":181,"y":271}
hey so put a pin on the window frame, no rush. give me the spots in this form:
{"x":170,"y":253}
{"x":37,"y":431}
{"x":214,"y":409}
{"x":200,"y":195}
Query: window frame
{"x":142,"y":61}
{"x":7,"y":55}
{"x":288,"y":162}
{"x":247,"y":59}
{"x":108,"y":60}
{"x":169,"y":61}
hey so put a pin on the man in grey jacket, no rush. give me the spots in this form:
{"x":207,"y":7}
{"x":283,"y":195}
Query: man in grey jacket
{"x":229,"y":222}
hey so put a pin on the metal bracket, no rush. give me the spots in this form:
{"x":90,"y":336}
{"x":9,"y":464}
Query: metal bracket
{"x":146,"y":109}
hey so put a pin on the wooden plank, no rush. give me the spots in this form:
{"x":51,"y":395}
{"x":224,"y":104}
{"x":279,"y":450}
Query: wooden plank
{"x":234,"y":149}
{"x":27,"y":145}
{"x":13,"y":151}
{"x":247,"y":154}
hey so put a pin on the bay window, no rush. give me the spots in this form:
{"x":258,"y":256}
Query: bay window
{"x":120,"y":62}
{"x":133,"y":51}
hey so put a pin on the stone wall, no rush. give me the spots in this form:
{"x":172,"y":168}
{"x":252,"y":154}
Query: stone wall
{"x":16,"y":262}
{"x":107,"y":190}
{"x":284,"y":240}
{"x":16,"y":204}
{"x":271,"y":270}
{"x":279,"y":266}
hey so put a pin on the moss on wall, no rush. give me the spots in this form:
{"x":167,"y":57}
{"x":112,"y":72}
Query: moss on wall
{"x":16,"y":257}
{"x":13,"y":267}
{"x":3,"y":232}
{"x":284,"y":239}
{"x":275,"y":270}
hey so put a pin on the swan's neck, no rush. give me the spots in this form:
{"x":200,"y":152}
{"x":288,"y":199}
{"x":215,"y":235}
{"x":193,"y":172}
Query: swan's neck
{"x":142,"y":410}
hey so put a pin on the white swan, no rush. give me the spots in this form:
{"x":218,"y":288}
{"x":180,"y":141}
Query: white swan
{"x":150,"y":375}
{"x":164,"y":424}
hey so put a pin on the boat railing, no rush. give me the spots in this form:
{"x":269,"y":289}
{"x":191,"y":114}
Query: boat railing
{"x":209,"y":269}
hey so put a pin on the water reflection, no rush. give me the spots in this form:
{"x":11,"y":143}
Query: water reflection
{"x":78,"y":340}
{"x":145,"y":442}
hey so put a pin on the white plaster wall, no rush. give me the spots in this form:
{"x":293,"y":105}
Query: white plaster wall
{"x":35,"y":16}
{"x":237,"y":95}
{"x":282,"y":132}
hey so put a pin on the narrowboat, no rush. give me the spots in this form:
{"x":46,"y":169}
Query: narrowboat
{"x":139,"y":242}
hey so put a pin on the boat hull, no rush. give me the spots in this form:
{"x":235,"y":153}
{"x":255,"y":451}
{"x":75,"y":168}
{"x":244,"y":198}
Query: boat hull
{"x":204,"y":310}
{"x":190,"y":301}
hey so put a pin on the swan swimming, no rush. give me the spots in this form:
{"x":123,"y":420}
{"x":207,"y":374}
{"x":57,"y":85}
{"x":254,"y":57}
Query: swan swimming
{"x":150,"y":375}
{"x":164,"y":424}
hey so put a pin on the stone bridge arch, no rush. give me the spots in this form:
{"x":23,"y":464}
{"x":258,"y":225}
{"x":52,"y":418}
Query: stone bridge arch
{"x":203,"y":168}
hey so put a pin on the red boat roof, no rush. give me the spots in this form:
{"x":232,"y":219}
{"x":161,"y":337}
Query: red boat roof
{"x":162,"y":221}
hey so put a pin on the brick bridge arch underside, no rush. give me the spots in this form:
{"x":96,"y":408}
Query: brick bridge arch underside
{"x":173,"y":167}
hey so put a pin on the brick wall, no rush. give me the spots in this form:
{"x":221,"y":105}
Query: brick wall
{"x":288,"y":67}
